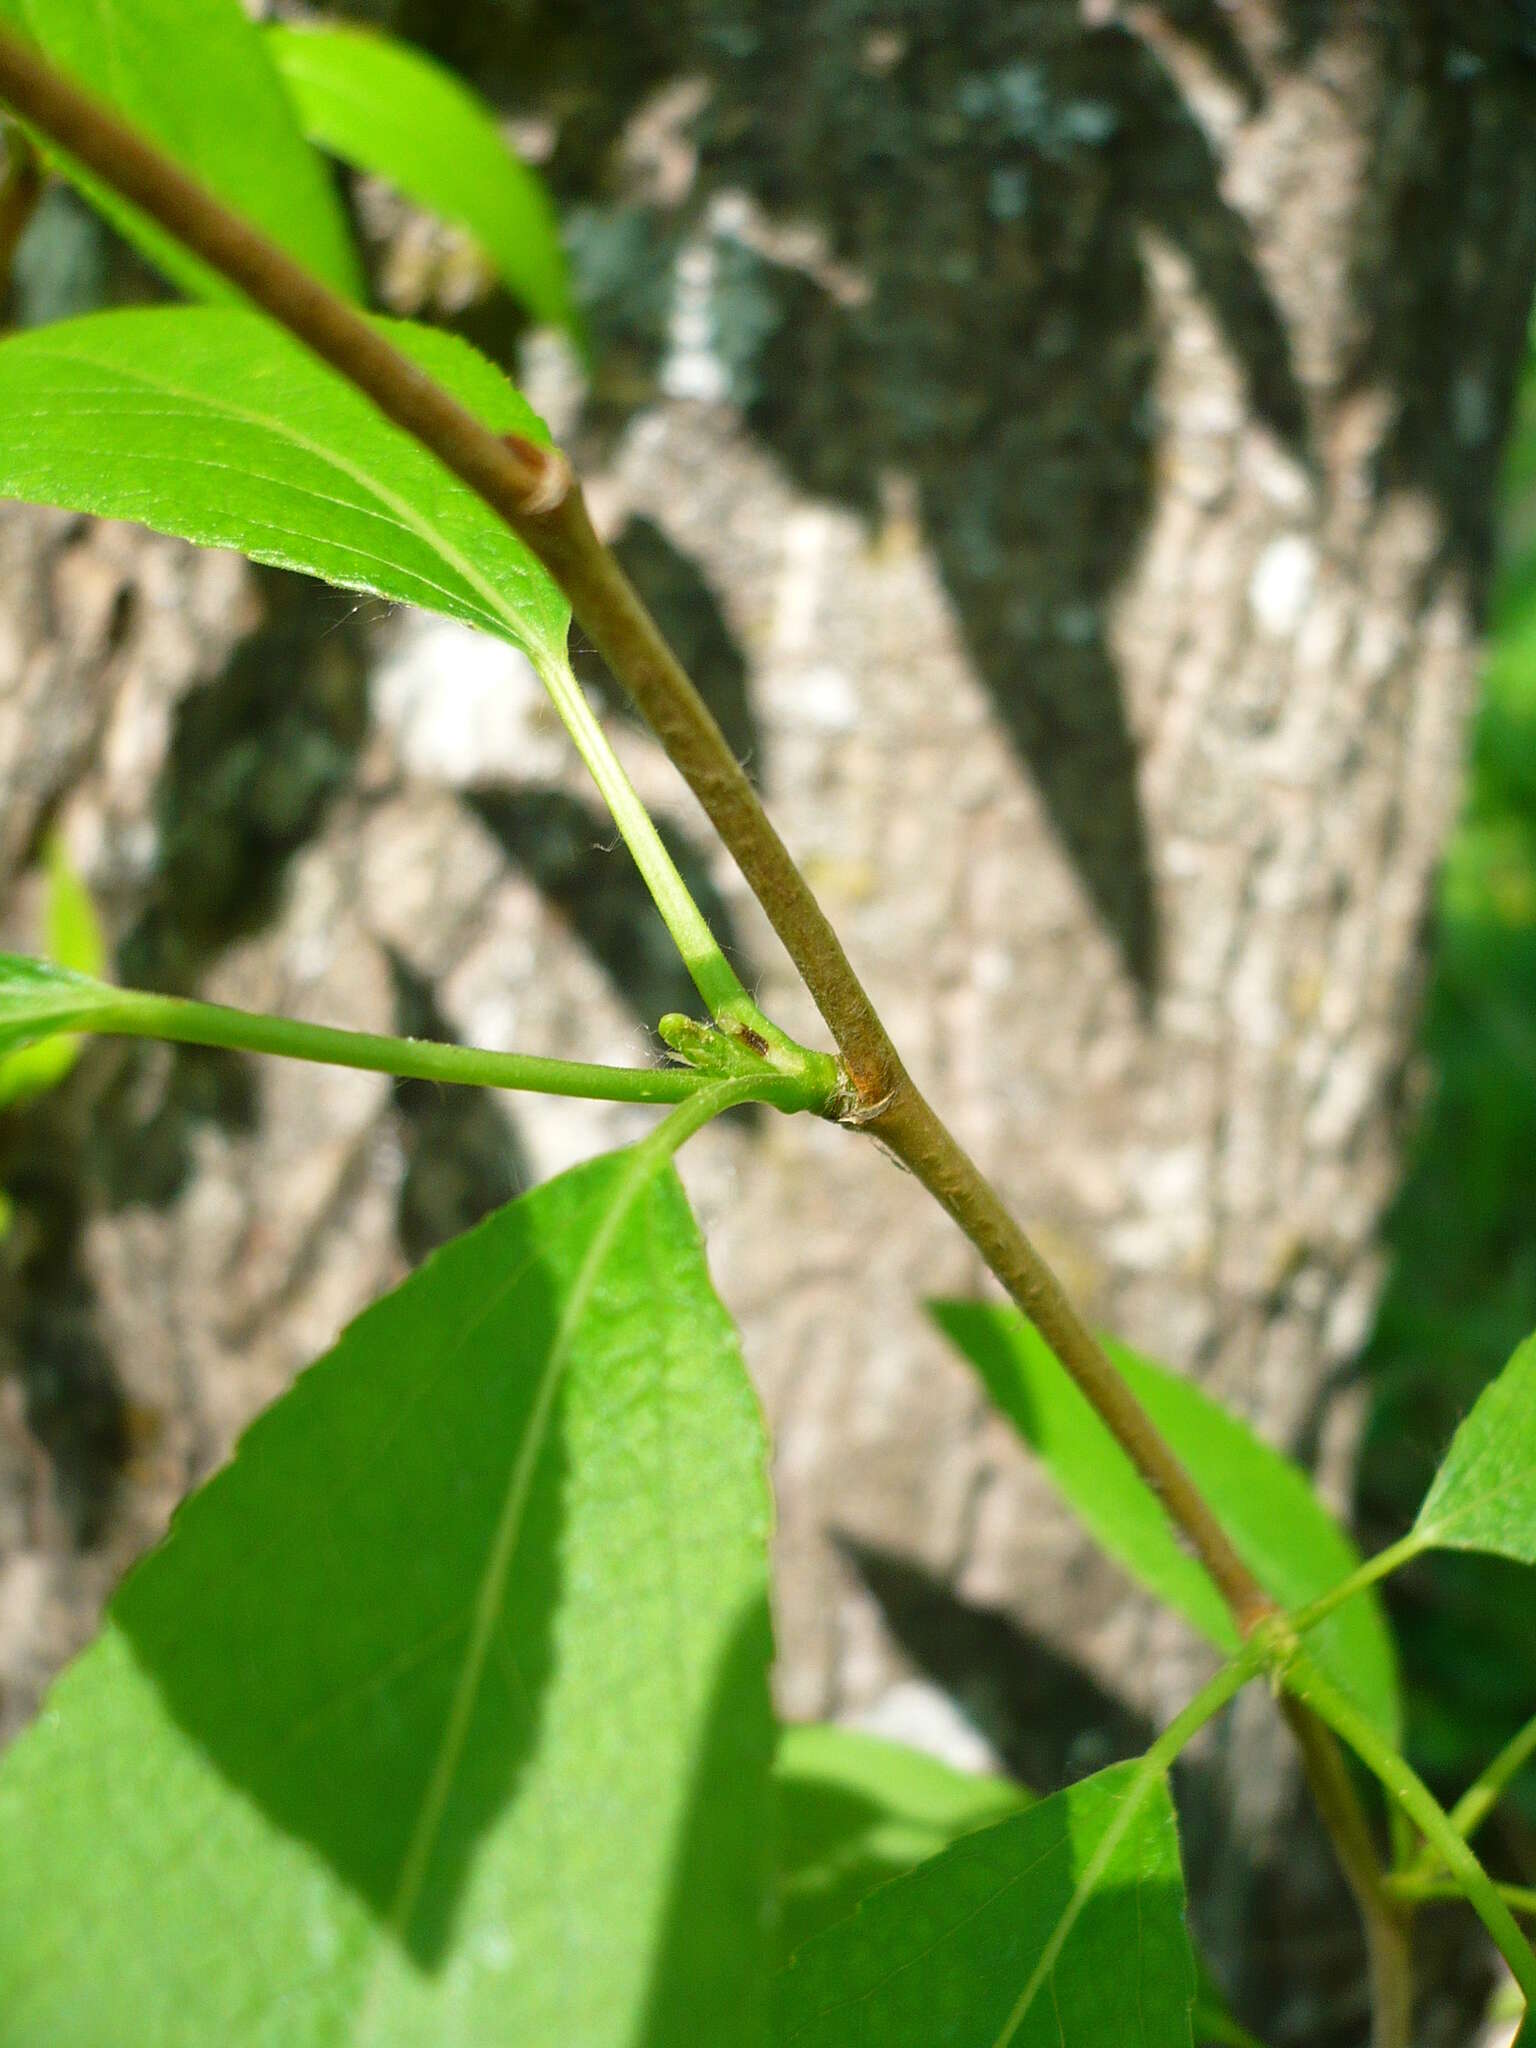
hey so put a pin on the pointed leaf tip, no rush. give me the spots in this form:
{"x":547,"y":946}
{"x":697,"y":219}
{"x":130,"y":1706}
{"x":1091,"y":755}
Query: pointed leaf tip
{"x":1484,"y":1495}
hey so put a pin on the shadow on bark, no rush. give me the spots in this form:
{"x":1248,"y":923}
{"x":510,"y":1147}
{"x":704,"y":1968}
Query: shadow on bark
{"x":72,"y":1399}
{"x":1048,"y":1721}
{"x":1445,"y":248}
{"x":981,"y":175}
{"x":987,"y":174}
{"x":256,"y":756}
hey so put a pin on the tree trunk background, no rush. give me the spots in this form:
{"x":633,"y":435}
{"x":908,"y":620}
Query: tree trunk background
{"x":1064,"y":439}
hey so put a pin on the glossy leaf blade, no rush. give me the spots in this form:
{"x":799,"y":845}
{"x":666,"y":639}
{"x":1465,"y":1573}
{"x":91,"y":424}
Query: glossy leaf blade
{"x":195,"y":77}
{"x":1013,"y":1939}
{"x":441,"y":1718}
{"x":855,"y":1811}
{"x":384,"y":107}
{"x":212,"y":424}
{"x":1484,"y":1495}
{"x":1278,"y":1526}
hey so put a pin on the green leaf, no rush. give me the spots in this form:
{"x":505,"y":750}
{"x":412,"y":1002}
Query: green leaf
{"x":441,"y":1718}
{"x":1484,"y":1495}
{"x":1276,"y":1523}
{"x":38,"y":999}
{"x":1060,"y":1928}
{"x":385,"y":108}
{"x":74,"y":942}
{"x":195,"y":77}
{"x":32,"y":1070}
{"x":855,"y":1811}
{"x":212,"y":424}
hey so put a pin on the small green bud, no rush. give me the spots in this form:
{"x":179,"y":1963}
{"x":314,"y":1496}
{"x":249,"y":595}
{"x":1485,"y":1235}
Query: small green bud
{"x":702,"y":1046}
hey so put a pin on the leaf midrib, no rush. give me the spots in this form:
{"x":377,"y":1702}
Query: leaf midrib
{"x":1045,"y":1968}
{"x":644,"y":1165}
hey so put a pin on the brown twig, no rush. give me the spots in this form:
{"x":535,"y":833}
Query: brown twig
{"x":21,"y":190}
{"x":531,"y":488}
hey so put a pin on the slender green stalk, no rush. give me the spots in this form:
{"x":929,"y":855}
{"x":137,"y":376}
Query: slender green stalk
{"x":1404,"y":1838}
{"x":139,"y":1015}
{"x":703,"y":1107}
{"x":1485,"y":1792}
{"x":713,"y":975}
{"x":1409,"y":1886}
{"x":1415,"y":1880}
{"x":532,"y":489}
{"x":1383,"y":1919}
{"x":1392,"y":1559}
{"x":1205,"y":1706}
{"x":1479,"y":1800}
{"x":1402,"y":1783}
{"x":610,"y":611}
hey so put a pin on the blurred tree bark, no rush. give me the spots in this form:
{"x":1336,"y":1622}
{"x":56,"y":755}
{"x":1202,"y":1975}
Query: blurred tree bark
{"x":1065,"y":438}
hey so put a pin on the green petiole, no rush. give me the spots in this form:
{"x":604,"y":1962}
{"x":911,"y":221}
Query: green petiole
{"x":1480,"y":1797}
{"x":130,"y":1013}
{"x":1305,"y":1682}
{"x":1474,"y":1807}
{"x":1156,"y":1762}
{"x":1415,"y":1890}
{"x":1385,"y":1562}
{"x":713,"y":975}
